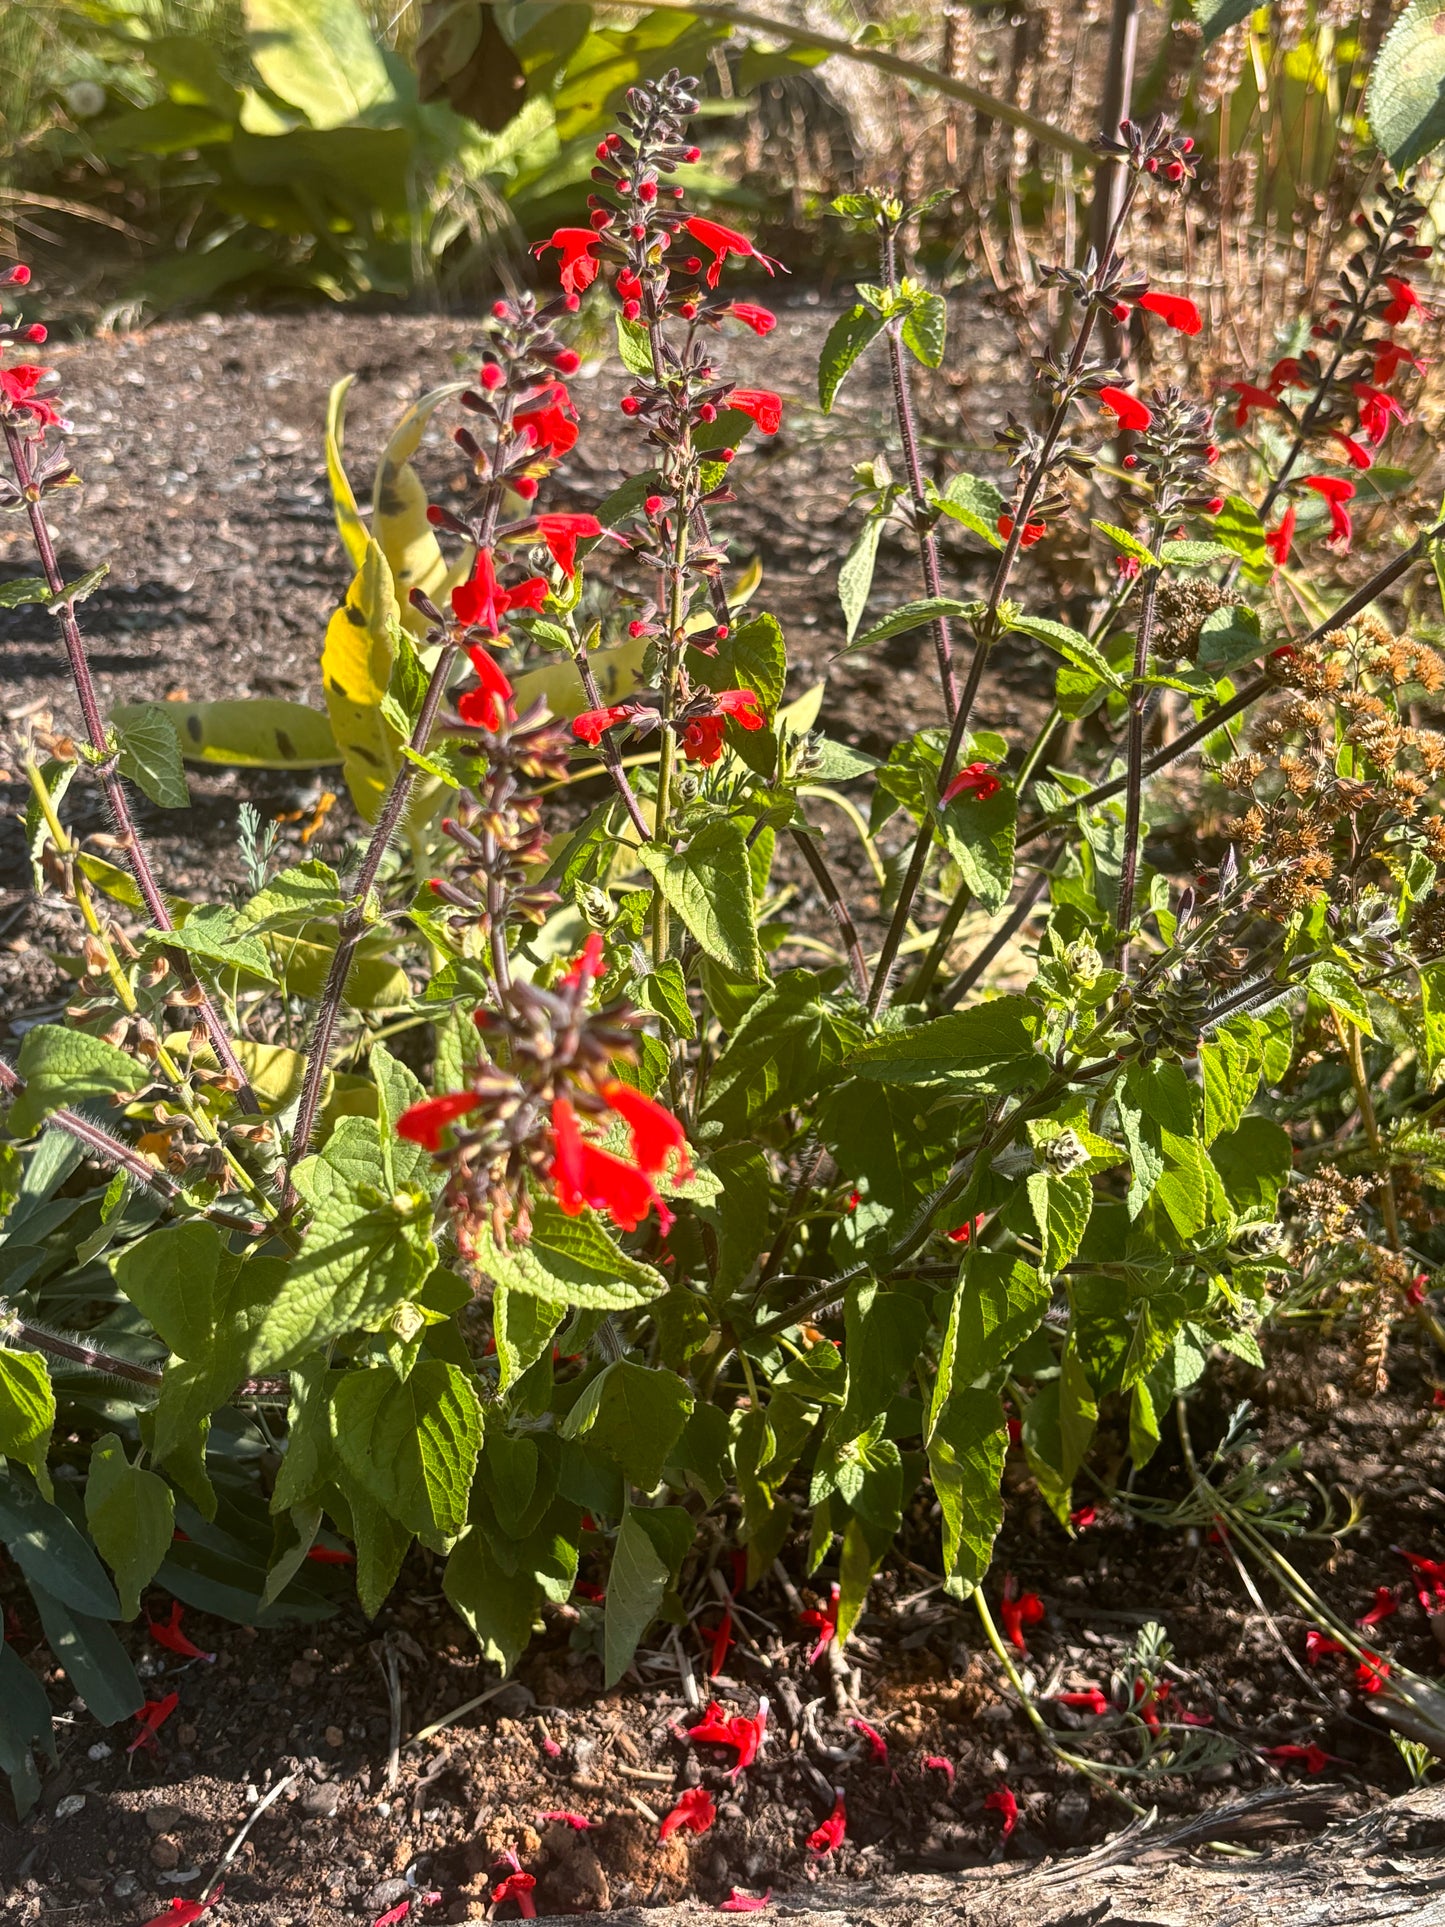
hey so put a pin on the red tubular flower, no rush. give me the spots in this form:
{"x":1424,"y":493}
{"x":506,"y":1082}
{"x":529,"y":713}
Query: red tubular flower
{"x":1091,"y":1700}
{"x":1385,"y":1607}
{"x":1429,"y":1580}
{"x":742,"y":706}
{"x":333,"y":1555}
{"x":877,"y":1745}
{"x":1336,"y":491}
{"x":1173,"y":310}
{"x":1003,"y":1802}
{"x":588,"y":727}
{"x":1018,"y":1610}
{"x":583,"y":1174}
{"x":1377,"y":411}
{"x":962,"y":1233}
{"x":655,"y":1132}
{"x":720,"y":1644}
{"x":517,"y":1886}
{"x":19,"y":383}
{"x":745,"y":1736}
{"x":824,"y":1622}
{"x":1128,"y":567}
{"x":1356,"y":454}
{"x":562,"y":533}
{"x":579,"y":263}
{"x":740,"y":1903}
{"x":1371,"y":1674}
{"x":762,"y":321}
{"x":765,"y":408}
{"x":181,"y":1913}
{"x":1388,"y":357}
{"x":1278,"y":540}
{"x":479,"y":602}
{"x":1320,"y":1646}
{"x":485,"y":707}
{"x":694,"y":1811}
{"x":170,"y":1636}
{"x":1248,"y":397}
{"x":1129,"y":411}
{"x":1405,"y":302}
{"x":1084,"y":1516}
{"x":1313,"y":1758}
{"x":1286,"y":373}
{"x":702,"y":740}
{"x":1033,"y":531}
{"x":1417,"y":1288}
{"x":935,"y":1762}
{"x":588,"y":962}
{"x":829,"y":1837}
{"x":549,"y":422}
{"x":152,"y":1717}
{"x":976,"y":780}
{"x":720,"y":242}
{"x":425,"y":1121}
{"x":577,"y":1821}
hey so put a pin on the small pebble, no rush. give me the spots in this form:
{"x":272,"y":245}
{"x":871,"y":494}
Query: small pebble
{"x":166,"y":1853}
{"x":334,"y":1737}
{"x":69,"y":1806}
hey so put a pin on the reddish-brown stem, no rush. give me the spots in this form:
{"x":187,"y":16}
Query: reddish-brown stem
{"x":611,"y":756}
{"x":825,"y":881}
{"x":917,"y":487}
{"x":106,"y":766}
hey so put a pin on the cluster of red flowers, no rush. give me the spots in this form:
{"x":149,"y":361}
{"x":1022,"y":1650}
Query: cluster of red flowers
{"x":18,"y":399}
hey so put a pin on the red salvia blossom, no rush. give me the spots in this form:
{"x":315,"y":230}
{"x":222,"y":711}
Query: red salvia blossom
{"x":1033,"y":531}
{"x":583,"y":1174}
{"x":168,"y":1634}
{"x":1090,"y":1700}
{"x":1128,"y":567}
{"x":181,"y":1913}
{"x":579,"y":264}
{"x":976,"y":780}
{"x":1015,"y":1429}
{"x":1320,"y":1646}
{"x":562,"y":533}
{"x":655,"y":1133}
{"x":719,"y":1642}
{"x":151,"y":1718}
{"x":702,"y":738}
{"x":1313,"y":1758}
{"x":1417,"y":1288}
{"x":969,"y":1229}
{"x":1003,"y":1802}
{"x":1336,"y":492}
{"x":823,"y":1621}
{"x":485,"y":707}
{"x":1128,"y":410}
{"x":481,"y":601}
{"x":1429,"y":1580}
{"x":1356,"y":454}
{"x":1404,"y":303}
{"x":1249,"y":397}
{"x":561,"y":1817}
{"x":1017,"y":1610}
{"x":762,"y":321}
{"x":829,"y":1837}
{"x":18,"y":385}
{"x":1278,"y":540}
{"x":877,"y":1745}
{"x":1389,"y":355}
{"x":741,"y":1903}
{"x":736,"y":1730}
{"x":394,"y":1915}
{"x":332,"y":1555}
{"x":1173,"y":310}
{"x":517,"y":1886}
{"x":549,"y":421}
{"x":935,"y":1762}
{"x":761,"y":404}
{"x":1377,"y":411}
{"x":1371,"y":1674}
{"x":588,"y":727}
{"x":1385,"y":1607}
{"x":694,"y":1811}
{"x":1286,"y":373}
{"x":1084,"y":1516}
{"x":589,"y":962}
{"x":720,"y":242}
{"x":426,"y":1120}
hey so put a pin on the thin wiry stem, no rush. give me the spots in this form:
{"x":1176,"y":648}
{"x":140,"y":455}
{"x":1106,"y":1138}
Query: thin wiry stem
{"x":825,"y":881}
{"x":1134,"y":752}
{"x":106,"y":768}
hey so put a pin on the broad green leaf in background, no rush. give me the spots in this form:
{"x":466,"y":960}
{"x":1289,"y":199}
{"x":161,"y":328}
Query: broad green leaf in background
{"x":709,"y":885}
{"x":1216,"y":17}
{"x":95,"y":1662}
{"x":349,"y":525}
{"x":67,"y":1067}
{"x":398,"y":521}
{"x":24,"y":1726}
{"x":412,"y":1446}
{"x":570,"y":1261}
{"x":635,"y":1586}
{"x":498,"y":1606}
{"x":355,"y":670}
{"x":27,"y":1412}
{"x":131,"y":1514}
{"x":965,"y":1460}
{"x":318,"y":55}
{"x":262,"y":732}
{"x":1405,"y":98}
{"x":52,"y":1552}
{"x":989,"y":1047}
{"x":150,"y":754}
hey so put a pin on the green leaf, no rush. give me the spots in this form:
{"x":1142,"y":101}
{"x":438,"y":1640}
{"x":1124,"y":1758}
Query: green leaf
{"x":523,"y":1325}
{"x":382,"y":1544}
{"x":51,"y":1552}
{"x":1229,"y":637}
{"x":979,"y":832}
{"x":664,"y":991}
{"x":1195,"y":555}
{"x":1254,"y":1161}
{"x":849,"y":335}
{"x":258,"y":732}
{"x":213,"y":935}
{"x":498,"y":1606}
{"x":27,"y":1412}
{"x":855,"y":577}
{"x":572,"y":1261}
{"x":635,"y":1585}
{"x":634,"y":1413}
{"x":292,"y":898}
{"x":95,"y":1662}
{"x":131,"y":1514}
{"x":975,"y":502}
{"x":885,"y":1331}
{"x":24,"y":588}
{"x":1000,"y":1302}
{"x":83,"y":587}
{"x":752,"y":657}
{"x":150,"y":755}
{"x":1334,"y":985}
{"x":1216,"y":17}
{"x":1061,"y":1208}
{"x":1069,"y":644}
{"x":411,"y":1445}
{"x":925,"y":328}
{"x":24,"y":1725}
{"x":634,"y":345}
{"x":1405,"y":98}
{"x":67,"y":1067}
{"x":1129,"y":544}
{"x":913,"y":615}
{"x":1239,"y":528}
{"x":319,"y":56}
{"x":990,"y":1048}
{"x":965,"y":1461}
{"x":709,"y":886}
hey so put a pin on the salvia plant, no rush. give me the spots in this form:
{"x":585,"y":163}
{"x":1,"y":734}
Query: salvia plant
{"x":659,"y":1229}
